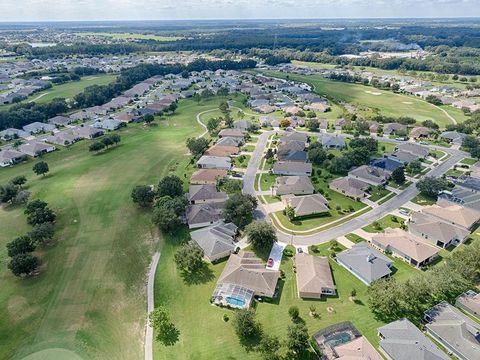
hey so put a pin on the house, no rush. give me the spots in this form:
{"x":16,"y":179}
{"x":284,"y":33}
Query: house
{"x":366,"y":263}
{"x":454,"y":330}
{"x":340,"y":123}
{"x":466,"y":192}
{"x":372,"y":175}
{"x":436,"y":231}
{"x":109,"y":124}
{"x":10,"y":157}
{"x":405,"y":246}
{"x":350,"y":187}
{"x":455,"y":214}
{"x":200,"y":215}
{"x":222,"y":150}
{"x":420,"y":132}
{"x":357,"y":349}
{"x":292,"y":156}
{"x":37,"y":127}
{"x":235,"y":133}
{"x":292,"y":168}
{"x":314,"y":277}
{"x":469,"y":302}
{"x":207,"y":176}
{"x":389,"y":164}
{"x":242,"y":125}
{"x":294,"y":136}
{"x":419,"y":151}
{"x":331,"y":141}
{"x":200,"y":194}
{"x":229,"y":141}
{"x":36,"y":148}
{"x":394,"y":129}
{"x":217,"y":241}
{"x":214,"y":162}
{"x":88,"y":132}
{"x":306,"y":205}
{"x":401,"y":340}
{"x":11,"y":133}
{"x":297,"y":185}
{"x":318,"y":106}
{"x":293,"y":145}
{"x":453,"y":137}
{"x":60,"y":120}
{"x":243,"y":277}
{"x":63,"y":138}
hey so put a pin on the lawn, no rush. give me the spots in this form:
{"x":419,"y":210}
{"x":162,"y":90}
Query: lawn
{"x":371,"y":100}
{"x":204,"y":335}
{"x":89,"y":297}
{"x":266,"y":181}
{"x":378,"y":193}
{"x":354,"y":238}
{"x":421,"y":199}
{"x":469,"y":161}
{"x":241,"y":161}
{"x":389,"y":221}
{"x":248,"y":148}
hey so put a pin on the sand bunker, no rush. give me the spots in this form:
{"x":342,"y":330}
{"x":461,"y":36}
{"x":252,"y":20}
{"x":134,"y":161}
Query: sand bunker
{"x":373,"y":93}
{"x":407,"y":102}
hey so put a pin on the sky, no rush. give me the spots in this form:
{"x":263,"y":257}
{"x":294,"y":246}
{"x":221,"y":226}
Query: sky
{"x":35,"y":10}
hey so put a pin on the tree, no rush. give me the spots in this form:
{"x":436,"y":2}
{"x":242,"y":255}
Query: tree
{"x":41,"y":168}
{"x":8,"y":193}
{"x":297,"y":338}
{"x":246,"y":327}
{"x":143,"y":195}
{"x":398,"y":175}
{"x":313,"y":124}
{"x":261,"y":235}
{"x":370,"y":144}
{"x":197,"y":146}
{"x":189,"y":258}
{"x":284,"y":123}
{"x":165,"y":219}
{"x":19,"y":180}
{"x":269,"y":346}
{"x":115,"y":138}
{"x":107,"y":141}
{"x":432,"y":99}
{"x":223,"y":107}
{"x":96,"y":146}
{"x":269,"y":154}
{"x":167,"y":333}
{"x":22,"y":197}
{"x":431,"y":186}
{"x":317,"y":155}
{"x":42,"y":233}
{"x":290,"y":212}
{"x":232,"y":186}
{"x":23,"y":264}
{"x":239,"y":209}
{"x":170,"y":185}
{"x":212,"y":125}
{"x":148,"y":118}
{"x":294,"y":313}
{"x":20,"y":245}
{"x":176,"y":204}
{"x":38,"y":212}
{"x":414,"y":167}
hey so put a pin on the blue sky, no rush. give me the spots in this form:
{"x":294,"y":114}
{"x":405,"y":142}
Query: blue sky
{"x":29,"y":10}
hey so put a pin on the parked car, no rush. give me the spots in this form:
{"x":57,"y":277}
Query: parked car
{"x":270,"y":262}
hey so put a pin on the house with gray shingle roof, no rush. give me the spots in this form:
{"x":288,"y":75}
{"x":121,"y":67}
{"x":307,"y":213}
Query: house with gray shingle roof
{"x":297,"y":185}
{"x":453,"y":137}
{"x":10,"y":157}
{"x":350,"y":187}
{"x":372,"y":175}
{"x":200,"y":194}
{"x":306,"y":205}
{"x":454,"y":330}
{"x":12,"y":133}
{"x":37,"y":127}
{"x":292,"y":168}
{"x":217,"y":241}
{"x":36,"y":148}
{"x":469,"y":302}
{"x":401,"y":340}
{"x":366,"y":263}
{"x":331,"y":141}
{"x":60,"y":120}
{"x":200,"y":215}
{"x":214,"y":162}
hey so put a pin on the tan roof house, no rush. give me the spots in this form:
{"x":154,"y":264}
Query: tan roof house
{"x":420,"y":132}
{"x":370,"y":174}
{"x":470,"y":302}
{"x":454,"y":214}
{"x":296,"y":185}
{"x":307,"y":204}
{"x":406,"y":246}
{"x":207,"y":176}
{"x":314,"y":277}
{"x":222,"y":150}
{"x":358,"y":349}
{"x":350,"y":187}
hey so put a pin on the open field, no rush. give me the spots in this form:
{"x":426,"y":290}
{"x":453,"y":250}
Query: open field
{"x":89,"y":297}
{"x":212,"y":338}
{"x":130,"y":36}
{"x":370,"y":100}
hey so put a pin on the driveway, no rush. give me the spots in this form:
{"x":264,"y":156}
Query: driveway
{"x":274,"y":207}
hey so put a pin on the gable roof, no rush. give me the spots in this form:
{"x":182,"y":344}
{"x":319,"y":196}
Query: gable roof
{"x":453,"y":213}
{"x":367,"y":262}
{"x":248,"y":271}
{"x":313,"y":273}
{"x":402,"y":340}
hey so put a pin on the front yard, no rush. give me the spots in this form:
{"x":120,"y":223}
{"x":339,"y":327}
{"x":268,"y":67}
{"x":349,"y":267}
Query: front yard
{"x":378,"y":193}
{"x":389,"y":221}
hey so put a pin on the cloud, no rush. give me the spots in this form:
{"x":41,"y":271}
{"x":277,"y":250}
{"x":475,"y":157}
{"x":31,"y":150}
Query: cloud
{"x":10,"y":10}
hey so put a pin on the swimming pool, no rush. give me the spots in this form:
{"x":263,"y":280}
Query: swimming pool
{"x":338,"y":339}
{"x":236,"y":302}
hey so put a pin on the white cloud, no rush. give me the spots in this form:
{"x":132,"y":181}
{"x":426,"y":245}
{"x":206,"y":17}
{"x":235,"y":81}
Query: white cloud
{"x":11,"y":10}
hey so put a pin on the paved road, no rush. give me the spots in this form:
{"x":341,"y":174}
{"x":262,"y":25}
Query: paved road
{"x":351,"y":225}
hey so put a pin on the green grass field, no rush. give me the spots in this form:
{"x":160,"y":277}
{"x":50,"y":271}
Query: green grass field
{"x":370,"y":100}
{"x":203,"y":333}
{"x":90,"y":295}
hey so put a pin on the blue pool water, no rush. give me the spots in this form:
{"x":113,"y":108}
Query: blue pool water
{"x":338,"y":339}
{"x":235,"y":301}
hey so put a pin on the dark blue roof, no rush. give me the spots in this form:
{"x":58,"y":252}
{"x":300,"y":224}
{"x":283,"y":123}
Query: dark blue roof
{"x":386,"y":163}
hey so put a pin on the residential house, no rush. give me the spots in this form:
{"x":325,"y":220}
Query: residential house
{"x":306,"y":205}
{"x":296,"y":185}
{"x":207,"y":176}
{"x":394,"y":129}
{"x":401,"y":340}
{"x":314,"y":277}
{"x":357,"y":349}
{"x":11,"y":133}
{"x":455,"y":214}
{"x":469,"y":302}
{"x":419,"y":151}
{"x":36,"y":148}
{"x":293,"y":145}
{"x":331,"y":141}
{"x":454,"y":330}
{"x":317,"y":106}
{"x":372,"y":175}
{"x":388,"y":164}
{"x":292,"y":168}
{"x":341,"y":123}
{"x":10,"y":157}
{"x":222,"y":150}
{"x":419,"y":132}
{"x":366,"y":263}
{"x":229,"y":141}
{"x":200,"y":215}
{"x":217,"y":241}
{"x":214,"y":162}
{"x":235,"y":133}
{"x":405,"y":246}
{"x":88,"y":132}
{"x":292,"y":156}
{"x":200,"y":194}
{"x":436,"y":231}
{"x":60,"y":120}
{"x":109,"y":124}
{"x":38,"y":127}
{"x":350,"y":187}
{"x":242,"y":125}
{"x":453,"y":137}
{"x":63,"y":138}
{"x":466,"y":192}
{"x":243,"y":277}
{"x":294,"y":136}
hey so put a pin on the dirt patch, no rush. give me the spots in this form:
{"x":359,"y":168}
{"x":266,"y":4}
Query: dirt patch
{"x":407,"y":102}
{"x":18,"y":308}
{"x":373,"y":93}
{"x":330,"y":309}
